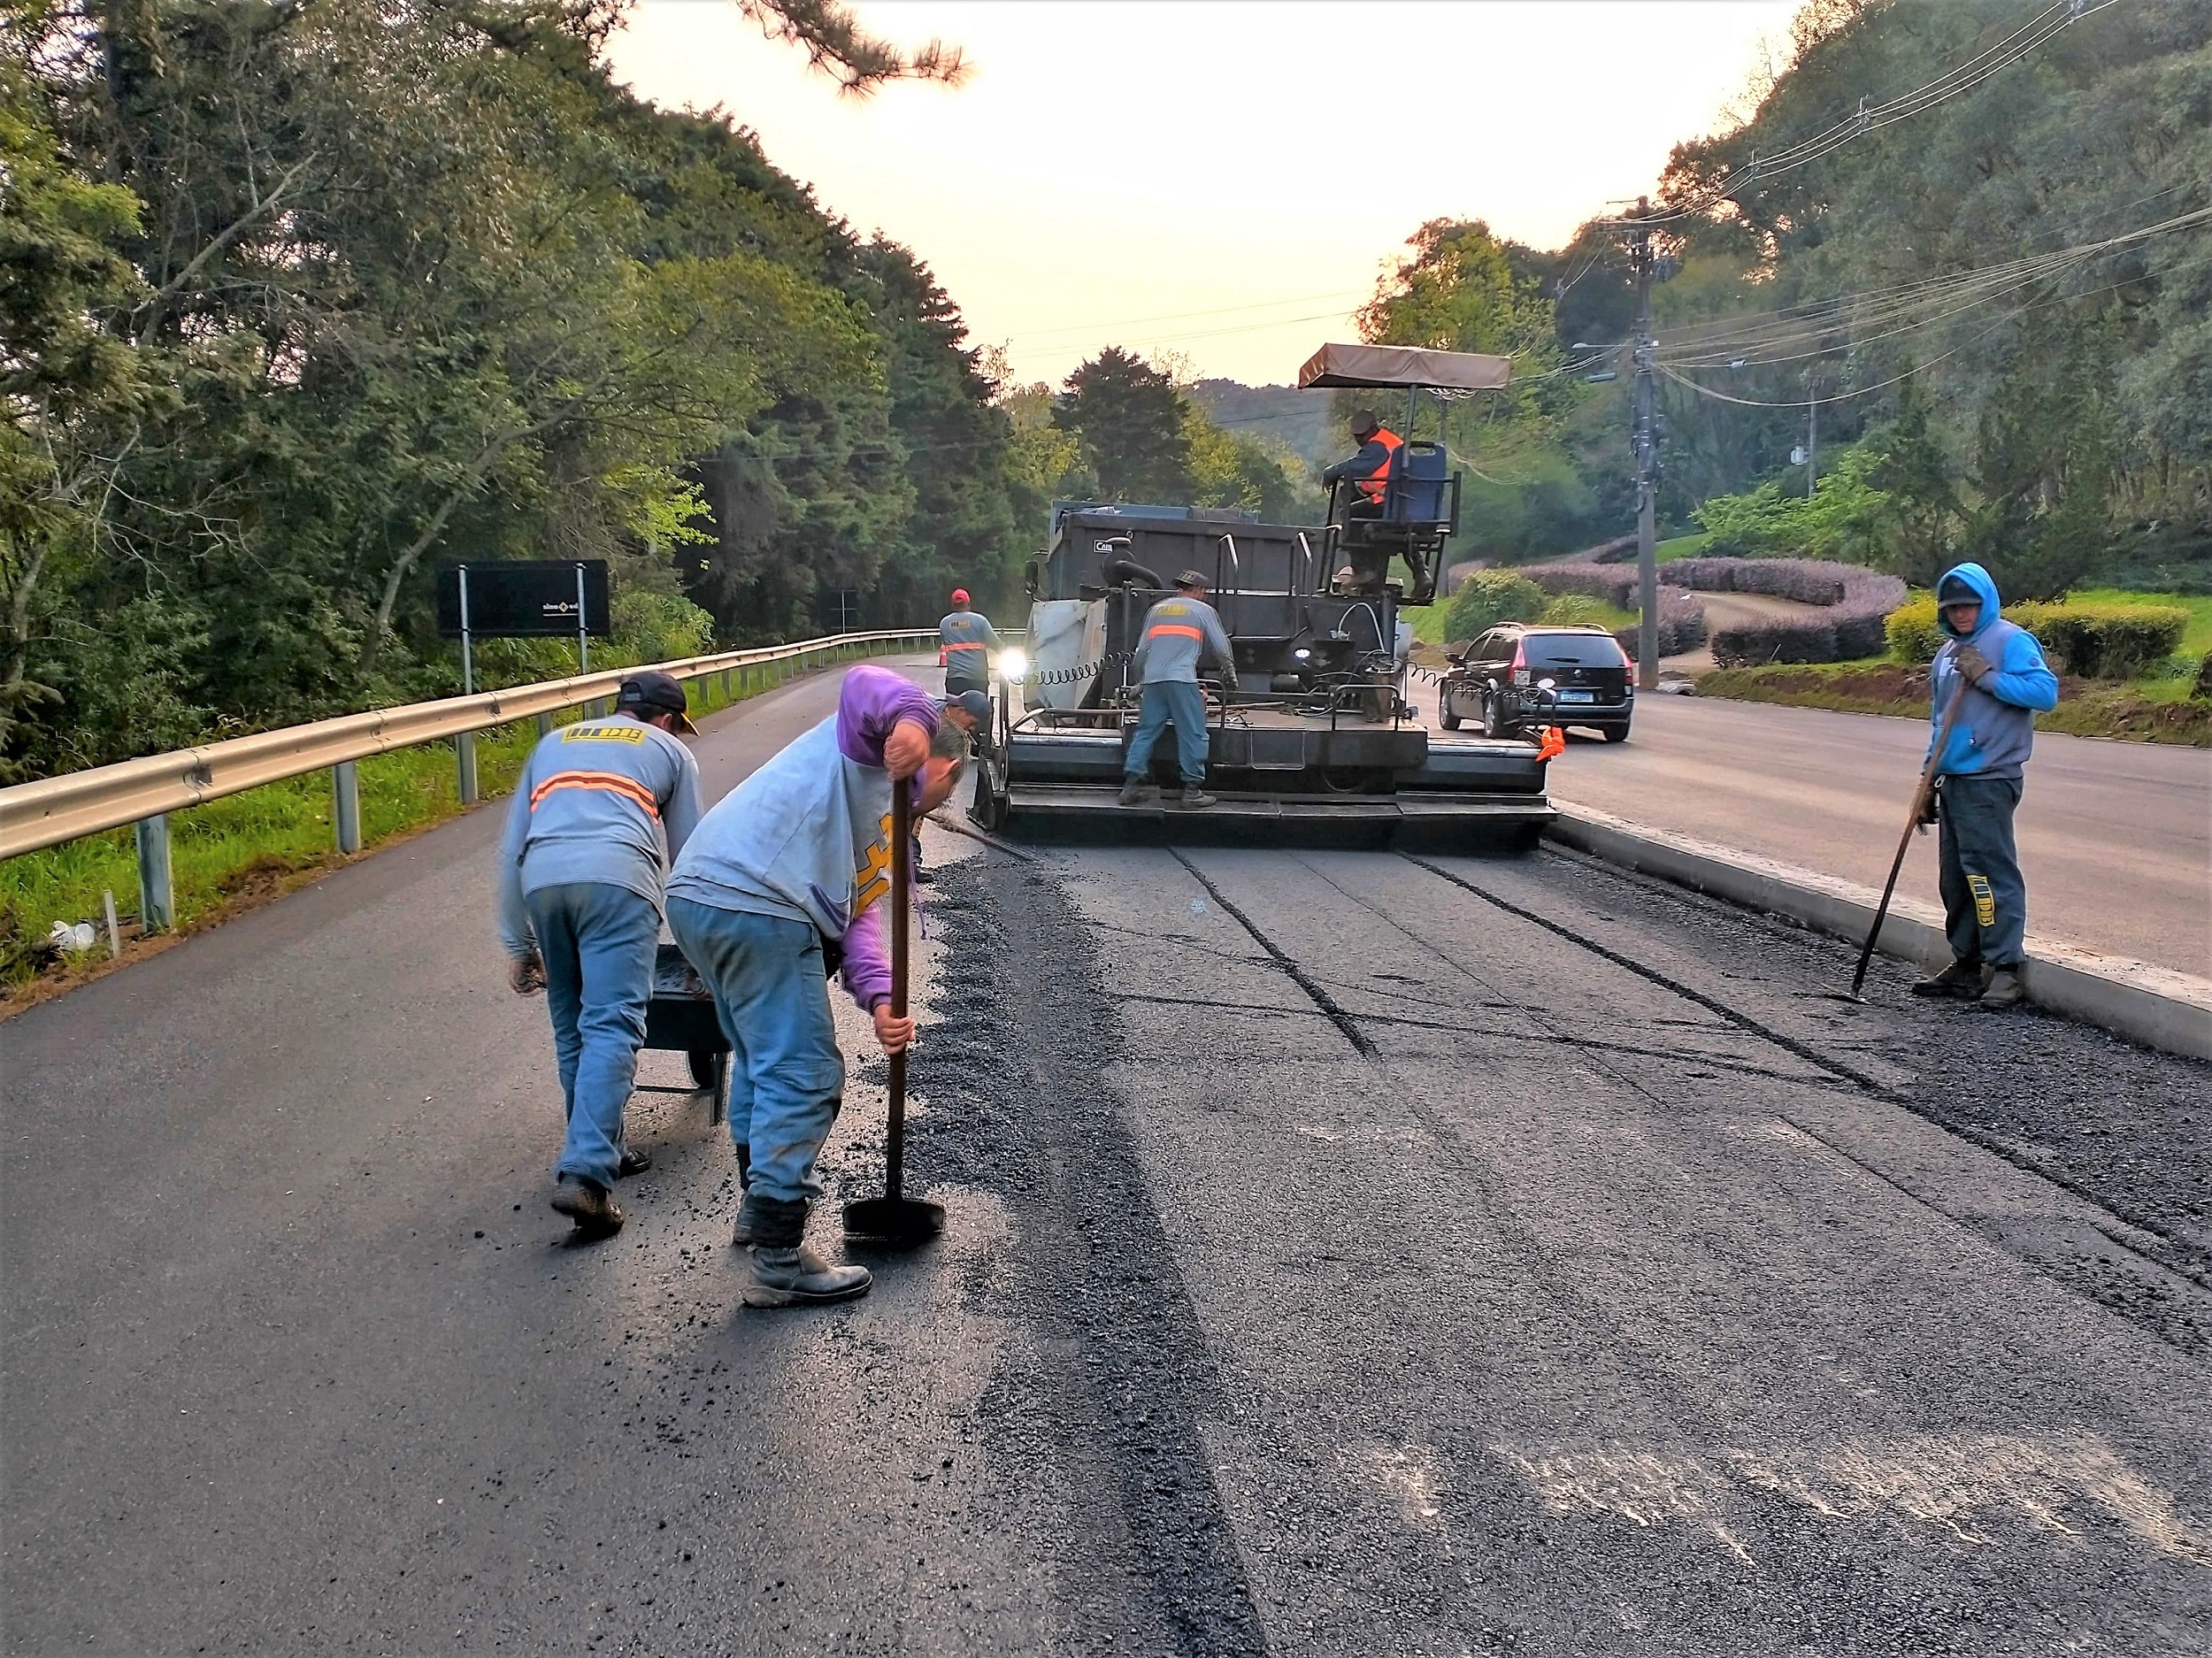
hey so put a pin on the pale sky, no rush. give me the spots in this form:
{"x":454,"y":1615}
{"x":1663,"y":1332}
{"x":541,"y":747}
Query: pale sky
{"x":1224,"y":179}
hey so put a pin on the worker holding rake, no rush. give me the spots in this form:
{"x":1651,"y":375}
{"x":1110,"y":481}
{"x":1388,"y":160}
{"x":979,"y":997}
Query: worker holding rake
{"x":1989,"y":682}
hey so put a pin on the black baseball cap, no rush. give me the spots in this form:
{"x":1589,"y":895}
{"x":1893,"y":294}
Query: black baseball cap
{"x":1190,"y":579}
{"x":1957,"y":590}
{"x":975,"y":704}
{"x":650,"y":693}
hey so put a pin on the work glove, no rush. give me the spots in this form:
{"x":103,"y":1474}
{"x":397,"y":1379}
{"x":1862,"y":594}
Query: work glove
{"x":527,"y":973}
{"x":1972,"y":664}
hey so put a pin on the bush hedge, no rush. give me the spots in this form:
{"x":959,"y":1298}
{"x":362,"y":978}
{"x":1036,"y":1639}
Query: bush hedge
{"x":2091,"y":641}
{"x":1491,"y":596}
{"x":1854,"y":600}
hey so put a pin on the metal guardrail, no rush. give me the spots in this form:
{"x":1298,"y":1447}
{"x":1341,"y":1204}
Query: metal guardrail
{"x":143,"y":792}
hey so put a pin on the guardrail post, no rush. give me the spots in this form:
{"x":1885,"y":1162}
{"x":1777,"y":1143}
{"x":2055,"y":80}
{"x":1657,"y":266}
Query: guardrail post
{"x":157,"y":891}
{"x":465,"y":759}
{"x":545,"y":724}
{"x":345,"y":805}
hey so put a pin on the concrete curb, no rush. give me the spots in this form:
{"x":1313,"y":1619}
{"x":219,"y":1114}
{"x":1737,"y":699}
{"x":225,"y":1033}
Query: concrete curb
{"x":2158,"y":1007}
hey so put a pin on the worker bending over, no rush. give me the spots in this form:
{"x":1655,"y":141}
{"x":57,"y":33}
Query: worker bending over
{"x":968,"y":639}
{"x":1979,"y":777}
{"x":1178,"y":630}
{"x":779,"y":887}
{"x":602,"y":807}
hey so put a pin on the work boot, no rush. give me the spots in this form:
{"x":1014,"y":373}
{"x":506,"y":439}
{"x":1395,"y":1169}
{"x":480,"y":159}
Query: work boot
{"x":797,"y":1277}
{"x":590,"y":1205}
{"x":1136,"y":791}
{"x":785,"y":1272}
{"x":1194,"y":798}
{"x":741,"y":1234}
{"x":747,"y":1213}
{"x":633,"y":1161}
{"x":1961,"y":981}
{"x":2005,"y":989}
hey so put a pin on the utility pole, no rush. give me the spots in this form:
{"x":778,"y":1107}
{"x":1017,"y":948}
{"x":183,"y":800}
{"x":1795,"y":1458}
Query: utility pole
{"x":1647,"y":451}
{"x":1812,"y":435}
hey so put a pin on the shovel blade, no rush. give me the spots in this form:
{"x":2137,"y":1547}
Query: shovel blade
{"x":895,"y":1219}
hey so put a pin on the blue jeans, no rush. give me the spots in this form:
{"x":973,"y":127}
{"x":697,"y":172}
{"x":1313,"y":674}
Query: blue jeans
{"x":1985,"y":898}
{"x":1181,"y":702}
{"x":787,"y":1077}
{"x":598,"y":942}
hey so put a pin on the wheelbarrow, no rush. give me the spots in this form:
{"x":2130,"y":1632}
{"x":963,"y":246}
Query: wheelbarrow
{"x":680,"y":1018}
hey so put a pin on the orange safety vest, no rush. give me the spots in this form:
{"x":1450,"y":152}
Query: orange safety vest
{"x":1374,"y":486}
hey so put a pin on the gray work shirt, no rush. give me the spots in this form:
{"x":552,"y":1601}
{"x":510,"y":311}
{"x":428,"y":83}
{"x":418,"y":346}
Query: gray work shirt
{"x":1177,"y":632}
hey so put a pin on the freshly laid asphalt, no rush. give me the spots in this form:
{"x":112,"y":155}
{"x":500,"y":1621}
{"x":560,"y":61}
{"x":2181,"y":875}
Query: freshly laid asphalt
{"x":2115,"y":838}
{"x":1348,"y":1253}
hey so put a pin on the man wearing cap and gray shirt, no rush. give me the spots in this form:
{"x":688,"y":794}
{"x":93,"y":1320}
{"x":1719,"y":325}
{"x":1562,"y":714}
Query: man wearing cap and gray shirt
{"x":1178,"y":630}
{"x":967,"y":640}
{"x":601,"y":810}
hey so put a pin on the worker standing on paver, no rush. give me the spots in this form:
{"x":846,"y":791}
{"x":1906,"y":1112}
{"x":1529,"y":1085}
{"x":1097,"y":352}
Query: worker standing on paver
{"x":1178,"y":630}
{"x":967,"y":639}
{"x":1979,"y":776}
{"x":777,"y":888}
{"x":601,"y":808}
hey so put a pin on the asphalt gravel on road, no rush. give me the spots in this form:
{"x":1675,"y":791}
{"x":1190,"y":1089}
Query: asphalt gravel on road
{"x":1348,"y":1253}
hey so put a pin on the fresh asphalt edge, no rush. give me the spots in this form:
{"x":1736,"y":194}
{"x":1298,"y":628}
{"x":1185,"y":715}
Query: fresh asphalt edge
{"x":2138,"y":1233}
{"x":2157,"y":1007}
{"x":1012,"y":1077}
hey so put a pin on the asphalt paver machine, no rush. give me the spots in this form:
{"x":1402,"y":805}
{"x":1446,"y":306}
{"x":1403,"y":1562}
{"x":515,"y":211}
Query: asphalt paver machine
{"x":1315,"y":728}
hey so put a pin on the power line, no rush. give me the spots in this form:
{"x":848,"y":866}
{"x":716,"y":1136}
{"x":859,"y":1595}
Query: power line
{"x":1952,"y":84}
{"x":1863,"y":391}
{"x":1180,"y":316}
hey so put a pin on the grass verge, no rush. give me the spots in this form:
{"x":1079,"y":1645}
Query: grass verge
{"x":2144,"y":710}
{"x":232,"y":855}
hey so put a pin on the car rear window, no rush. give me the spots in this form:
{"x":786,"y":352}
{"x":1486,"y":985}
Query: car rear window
{"x":1573,"y":651}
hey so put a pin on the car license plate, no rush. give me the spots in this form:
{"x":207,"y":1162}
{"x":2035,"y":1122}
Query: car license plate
{"x":1578,"y":696}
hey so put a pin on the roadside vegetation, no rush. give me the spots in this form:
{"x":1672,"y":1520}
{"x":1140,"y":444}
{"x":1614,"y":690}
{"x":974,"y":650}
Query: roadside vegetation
{"x":2049,"y":421}
{"x":232,"y":854}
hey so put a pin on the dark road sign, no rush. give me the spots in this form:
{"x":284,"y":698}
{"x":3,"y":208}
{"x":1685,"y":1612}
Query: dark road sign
{"x":519,"y":598}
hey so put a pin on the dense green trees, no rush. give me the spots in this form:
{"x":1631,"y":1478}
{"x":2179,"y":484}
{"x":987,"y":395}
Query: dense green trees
{"x":2058,"y":422}
{"x":300,"y":299}
{"x":2060,"y":415}
{"x":1123,"y":429}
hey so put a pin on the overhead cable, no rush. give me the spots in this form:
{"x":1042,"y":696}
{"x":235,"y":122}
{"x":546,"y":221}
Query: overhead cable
{"x":2022,"y":42}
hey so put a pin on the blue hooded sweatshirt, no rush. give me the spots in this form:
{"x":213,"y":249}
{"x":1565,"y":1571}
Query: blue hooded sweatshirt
{"x":1996,"y":723}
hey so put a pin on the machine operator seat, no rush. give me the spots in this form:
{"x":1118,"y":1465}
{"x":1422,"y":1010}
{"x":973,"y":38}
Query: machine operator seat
{"x":1419,"y":511}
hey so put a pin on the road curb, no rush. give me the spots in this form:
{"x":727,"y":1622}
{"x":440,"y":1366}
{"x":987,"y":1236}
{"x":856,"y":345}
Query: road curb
{"x":2154,"y":1005}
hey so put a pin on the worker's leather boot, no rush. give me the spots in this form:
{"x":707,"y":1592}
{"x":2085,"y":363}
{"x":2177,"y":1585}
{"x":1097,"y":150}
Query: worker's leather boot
{"x":1962,"y":981}
{"x":634,"y":1161}
{"x":1195,"y":798}
{"x":590,"y":1205}
{"x":741,"y":1234}
{"x":785,"y":1272}
{"x":1135,"y":792}
{"x":2005,"y":989}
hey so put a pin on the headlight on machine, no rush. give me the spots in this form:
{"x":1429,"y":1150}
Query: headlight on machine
{"x":1013,"y":666}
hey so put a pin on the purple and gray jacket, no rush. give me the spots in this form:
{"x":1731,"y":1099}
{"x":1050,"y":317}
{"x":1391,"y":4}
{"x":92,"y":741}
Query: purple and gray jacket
{"x":808,"y":836}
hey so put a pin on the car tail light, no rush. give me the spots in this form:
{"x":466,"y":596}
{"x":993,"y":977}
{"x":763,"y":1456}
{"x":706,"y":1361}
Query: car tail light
{"x":1521,"y":675}
{"x":1631,"y":676}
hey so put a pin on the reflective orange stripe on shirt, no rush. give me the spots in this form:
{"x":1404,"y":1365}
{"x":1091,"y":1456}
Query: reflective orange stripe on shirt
{"x":1178,"y":628}
{"x":612,"y":782}
{"x":965,"y":647}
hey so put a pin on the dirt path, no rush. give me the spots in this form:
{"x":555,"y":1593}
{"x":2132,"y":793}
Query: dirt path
{"x":1725,"y":609}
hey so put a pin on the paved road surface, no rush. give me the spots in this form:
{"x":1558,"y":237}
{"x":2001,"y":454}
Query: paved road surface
{"x":1348,"y":1256}
{"x":2116,"y":837}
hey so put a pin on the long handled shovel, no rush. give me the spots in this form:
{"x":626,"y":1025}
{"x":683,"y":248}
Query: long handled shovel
{"x":1912,"y":818}
{"x":895,"y":1218}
